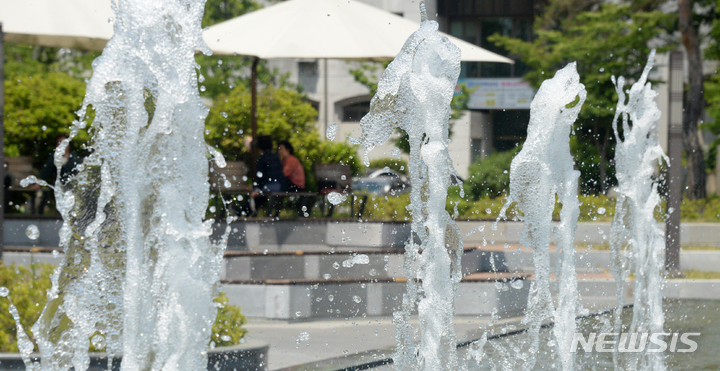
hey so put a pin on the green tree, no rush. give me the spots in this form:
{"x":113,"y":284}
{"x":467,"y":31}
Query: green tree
{"x":712,"y":85}
{"x":219,"y":74}
{"x":283,"y":114}
{"x":43,"y":89}
{"x":38,"y":108}
{"x":614,"y":40}
{"x":217,"y":11}
{"x":367,"y":73}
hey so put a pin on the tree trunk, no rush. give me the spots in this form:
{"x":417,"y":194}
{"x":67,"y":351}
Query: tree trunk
{"x":693,"y":103}
{"x":602,"y":151}
{"x":603,"y":163}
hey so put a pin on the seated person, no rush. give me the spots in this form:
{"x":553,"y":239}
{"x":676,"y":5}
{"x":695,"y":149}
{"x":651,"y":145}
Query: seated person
{"x":48,"y":173}
{"x":269,"y":169}
{"x":68,"y":169}
{"x":292,"y":168}
{"x":268,"y":176}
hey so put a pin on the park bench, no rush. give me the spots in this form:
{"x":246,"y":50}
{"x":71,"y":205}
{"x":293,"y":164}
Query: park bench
{"x":330,"y":178}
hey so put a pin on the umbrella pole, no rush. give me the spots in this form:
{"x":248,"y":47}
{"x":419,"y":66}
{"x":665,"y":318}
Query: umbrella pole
{"x":253,"y":97}
{"x":327,"y":101}
{"x":2,"y":139}
{"x":253,"y":114}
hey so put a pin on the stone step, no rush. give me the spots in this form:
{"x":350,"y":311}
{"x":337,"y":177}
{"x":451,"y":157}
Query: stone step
{"x":359,"y":264}
{"x":301,"y":299}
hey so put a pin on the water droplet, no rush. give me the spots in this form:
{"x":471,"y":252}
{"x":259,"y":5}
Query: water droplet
{"x":227,"y":184}
{"x":488,"y":211}
{"x":331,"y":131}
{"x":212,"y":209}
{"x":517,"y":284}
{"x":32,"y":179}
{"x":331,"y":298}
{"x":336,"y":265}
{"x":601,"y":210}
{"x":357,"y":299}
{"x":326,"y":276}
{"x":336,"y":198}
{"x":4,"y":292}
{"x":55,"y":254}
{"x":259,"y":174}
{"x":98,"y":341}
{"x":32,"y":232}
{"x":225,"y":337}
{"x":304,"y":336}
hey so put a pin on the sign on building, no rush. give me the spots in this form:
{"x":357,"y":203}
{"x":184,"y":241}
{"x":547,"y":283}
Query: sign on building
{"x":499,"y":93}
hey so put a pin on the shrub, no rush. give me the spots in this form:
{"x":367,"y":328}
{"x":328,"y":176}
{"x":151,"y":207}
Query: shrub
{"x":397,"y":164}
{"x":227,"y":329}
{"x":28,"y":286}
{"x":490,"y":176}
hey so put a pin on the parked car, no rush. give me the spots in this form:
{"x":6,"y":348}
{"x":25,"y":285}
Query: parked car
{"x":382,"y":182}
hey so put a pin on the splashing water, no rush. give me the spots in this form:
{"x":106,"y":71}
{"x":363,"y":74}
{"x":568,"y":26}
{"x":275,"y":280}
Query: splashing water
{"x":32,"y":232}
{"x":139,"y":272}
{"x":541,"y":171}
{"x":357,"y":259}
{"x":331,"y":131}
{"x":414,"y":94}
{"x":634,"y":228}
{"x":336,"y":198}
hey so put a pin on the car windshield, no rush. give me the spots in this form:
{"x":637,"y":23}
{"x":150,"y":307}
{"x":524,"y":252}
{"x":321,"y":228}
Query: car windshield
{"x":369,"y":186}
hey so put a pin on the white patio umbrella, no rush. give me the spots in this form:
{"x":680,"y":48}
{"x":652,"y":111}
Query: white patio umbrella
{"x":322,"y":29}
{"x":80,"y":24}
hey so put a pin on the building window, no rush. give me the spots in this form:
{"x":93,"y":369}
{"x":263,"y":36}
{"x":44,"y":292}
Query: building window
{"x":478,"y":30}
{"x":308,"y":69}
{"x":509,"y":128}
{"x":355,"y":111}
{"x":476,"y":150}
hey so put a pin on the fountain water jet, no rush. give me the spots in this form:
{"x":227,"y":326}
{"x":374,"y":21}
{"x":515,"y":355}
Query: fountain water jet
{"x":414,"y":94}
{"x":634,"y":230}
{"x":541,"y":171}
{"x":140,"y":271}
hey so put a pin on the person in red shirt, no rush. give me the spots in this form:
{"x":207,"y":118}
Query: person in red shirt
{"x":292,"y":168}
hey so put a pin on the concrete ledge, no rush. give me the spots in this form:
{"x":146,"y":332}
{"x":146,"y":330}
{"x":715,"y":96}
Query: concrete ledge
{"x":251,"y":356}
{"x":692,"y":289}
{"x":258,"y":235}
{"x":345,"y":299}
{"x":700,"y":234}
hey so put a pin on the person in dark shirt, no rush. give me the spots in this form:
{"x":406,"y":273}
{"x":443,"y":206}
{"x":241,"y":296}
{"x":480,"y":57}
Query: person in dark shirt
{"x":268,"y":175}
{"x":69,"y":161}
{"x":48,"y":173}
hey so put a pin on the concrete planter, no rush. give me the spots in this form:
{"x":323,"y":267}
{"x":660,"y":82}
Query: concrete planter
{"x":251,"y":356}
